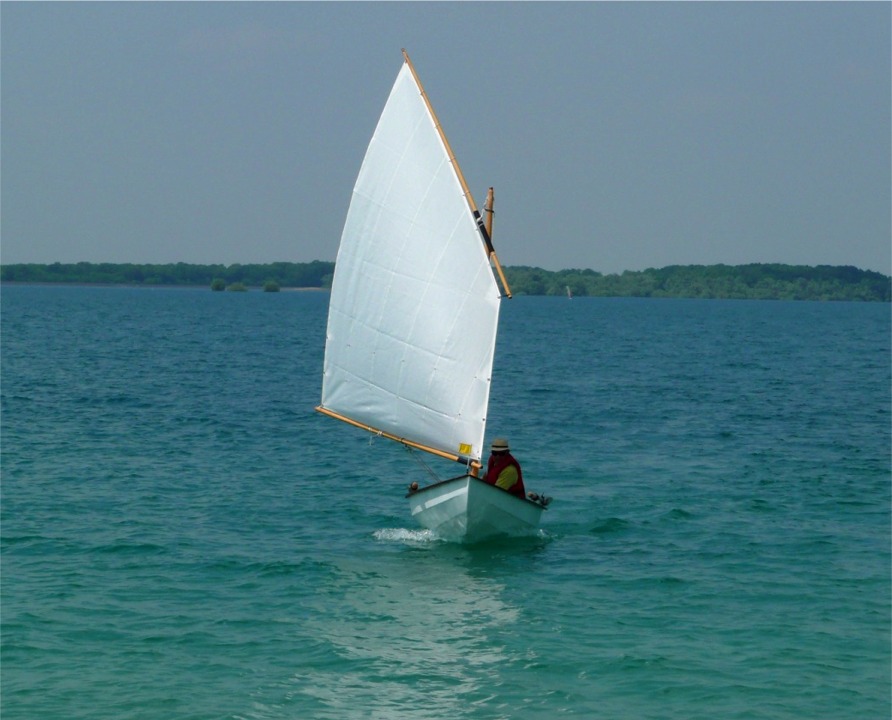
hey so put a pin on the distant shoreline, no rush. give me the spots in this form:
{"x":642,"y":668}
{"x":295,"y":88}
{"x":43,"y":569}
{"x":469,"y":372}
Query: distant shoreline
{"x":754,"y":281}
{"x":144,"y":286}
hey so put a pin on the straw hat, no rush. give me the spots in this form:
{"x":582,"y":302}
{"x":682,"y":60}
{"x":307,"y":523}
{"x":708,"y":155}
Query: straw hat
{"x":499,"y":445}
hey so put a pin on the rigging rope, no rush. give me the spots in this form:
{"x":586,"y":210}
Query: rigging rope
{"x":421,"y":462}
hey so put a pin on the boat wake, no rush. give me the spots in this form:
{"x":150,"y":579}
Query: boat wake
{"x":403,"y":535}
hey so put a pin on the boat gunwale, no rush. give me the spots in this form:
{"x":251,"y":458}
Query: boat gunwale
{"x":437,"y":484}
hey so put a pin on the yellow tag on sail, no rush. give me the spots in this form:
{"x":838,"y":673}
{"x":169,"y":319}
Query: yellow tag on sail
{"x":464,"y":449}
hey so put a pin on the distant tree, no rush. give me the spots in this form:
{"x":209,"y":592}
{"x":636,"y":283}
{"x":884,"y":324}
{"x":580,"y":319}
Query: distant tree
{"x":218,"y":284}
{"x":237,"y":287}
{"x":271,"y":286}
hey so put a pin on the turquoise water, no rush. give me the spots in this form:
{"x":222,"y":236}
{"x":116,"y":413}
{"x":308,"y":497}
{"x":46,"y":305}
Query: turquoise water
{"x":183,"y":537}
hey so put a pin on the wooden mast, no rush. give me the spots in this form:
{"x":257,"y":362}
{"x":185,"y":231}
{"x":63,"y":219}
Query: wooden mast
{"x":487,"y":240}
{"x":487,"y":208}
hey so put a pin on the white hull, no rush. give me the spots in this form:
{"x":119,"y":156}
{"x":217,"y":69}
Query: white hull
{"x":466,"y":509}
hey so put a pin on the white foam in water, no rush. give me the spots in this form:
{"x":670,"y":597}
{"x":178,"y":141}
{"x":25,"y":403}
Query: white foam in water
{"x":404,"y":535}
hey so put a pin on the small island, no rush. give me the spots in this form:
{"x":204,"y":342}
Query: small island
{"x":756,"y":281}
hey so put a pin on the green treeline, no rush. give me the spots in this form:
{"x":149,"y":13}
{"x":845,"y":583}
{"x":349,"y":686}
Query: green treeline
{"x":755,"y":281}
{"x":315,"y":274}
{"x":748,"y":282}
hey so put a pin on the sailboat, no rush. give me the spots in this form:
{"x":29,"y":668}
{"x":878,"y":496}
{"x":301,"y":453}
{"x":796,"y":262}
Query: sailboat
{"x":413,"y":317}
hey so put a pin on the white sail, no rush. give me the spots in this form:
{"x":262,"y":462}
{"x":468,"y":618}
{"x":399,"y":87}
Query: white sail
{"x":414,"y":303}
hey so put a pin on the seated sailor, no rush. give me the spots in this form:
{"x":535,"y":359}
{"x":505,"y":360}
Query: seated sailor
{"x":502,"y":470}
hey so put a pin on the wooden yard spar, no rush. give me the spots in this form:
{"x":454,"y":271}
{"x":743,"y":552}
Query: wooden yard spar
{"x":484,"y":228}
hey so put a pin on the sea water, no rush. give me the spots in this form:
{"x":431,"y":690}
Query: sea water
{"x":183,"y":537}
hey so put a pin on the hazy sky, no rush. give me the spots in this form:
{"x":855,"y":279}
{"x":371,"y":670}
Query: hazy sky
{"x":618,"y":136}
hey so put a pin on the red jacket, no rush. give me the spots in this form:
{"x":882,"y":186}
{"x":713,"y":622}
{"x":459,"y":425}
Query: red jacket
{"x":494,"y":468}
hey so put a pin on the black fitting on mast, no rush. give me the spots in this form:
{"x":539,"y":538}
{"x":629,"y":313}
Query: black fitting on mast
{"x":481,"y":226}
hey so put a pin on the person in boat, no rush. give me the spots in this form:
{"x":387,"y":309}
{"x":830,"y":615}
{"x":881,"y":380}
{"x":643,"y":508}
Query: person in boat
{"x":502,"y":470}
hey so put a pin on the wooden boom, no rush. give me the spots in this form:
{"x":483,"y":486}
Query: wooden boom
{"x":474,"y":464}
